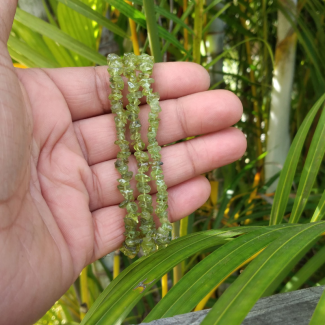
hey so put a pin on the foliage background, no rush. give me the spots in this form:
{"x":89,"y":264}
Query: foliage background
{"x":239,"y":43}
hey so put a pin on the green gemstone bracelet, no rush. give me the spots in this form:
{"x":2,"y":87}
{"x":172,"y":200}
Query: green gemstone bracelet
{"x":148,"y":238}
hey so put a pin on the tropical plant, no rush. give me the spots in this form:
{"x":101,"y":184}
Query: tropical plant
{"x":241,"y":223}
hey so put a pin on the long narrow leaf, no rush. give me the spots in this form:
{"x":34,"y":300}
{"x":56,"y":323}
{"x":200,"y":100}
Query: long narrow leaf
{"x":268,"y":269}
{"x":314,"y":158}
{"x":94,"y":15}
{"x":214,"y":269}
{"x":21,"y":58}
{"x":118,"y":299}
{"x":163,"y":12}
{"x":38,"y":59}
{"x":306,"y":271}
{"x":320,"y":210}
{"x":318,"y":317}
{"x":140,"y":19}
{"x":57,"y":35}
{"x":290,"y":166}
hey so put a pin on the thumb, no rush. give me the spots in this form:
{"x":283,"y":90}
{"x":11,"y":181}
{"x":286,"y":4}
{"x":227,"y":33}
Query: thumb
{"x":7,"y":13}
{"x":15,"y":127}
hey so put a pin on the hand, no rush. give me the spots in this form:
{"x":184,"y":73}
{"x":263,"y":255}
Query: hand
{"x":58,"y":197}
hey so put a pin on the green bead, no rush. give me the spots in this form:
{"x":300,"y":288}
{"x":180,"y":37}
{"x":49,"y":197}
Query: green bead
{"x":146,"y":206}
{"x":153,"y":116}
{"x":133,"y":215}
{"x":131,"y":252}
{"x":135,"y":125}
{"x":133,"y":87}
{"x":131,"y":207}
{"x":167,"y":226}
{"x":123,"y":154}
{"x":120,"y":166}
{"x":162,"y":232}
{"x":127,"y":175}
{"x":154,"y":123}
{"x":133,"y":108}
{"x":161,"y":185}
{"x":146,"y":215}
{"x":142,"y":178}
{"x":161,"y":208}
{"x":115,"y":71}
{"x":141,"y":156}
{"x":116,"y":107}
{"x":115,"y":96}
{"x":163,"y":216}
{"x":116,"y":82}
{"x":152,"y":148}
{"x":143,"y":188}
{"x":139,"y":145}
{"x":123,"y":182}
{"x":145,"y":198}
{"x":155,"y":173}
{"x":123,"y":204}
{"x":134,"y":96}
{"x":112,"y":57}
{"x":152,"y":98}
{"x":163,"y":196}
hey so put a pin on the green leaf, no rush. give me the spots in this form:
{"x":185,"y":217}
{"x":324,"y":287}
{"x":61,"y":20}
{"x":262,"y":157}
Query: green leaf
{"x":320,"y":210}
{"x":211,"y":5}
{"x":94,"y":15}
{"x":319,"y":313}
{"x":118,"y":299}
{"x":32,"y":39}
{"x":224,"y":53}
{"x":163,"y":12}
{"x":213,"y":270}
{"x":286,"y":177}
{"x":176,"y":29}
{"x":38,"y":59}
{"x":230,"y":190}
{"x":21,"y":58}
{"x":61,"y":54}
{"x":263,"y":273}
{"x":57,"y":35}
{"x":140,"y":19}
{"x":314,"y":158}
{"x":307,"y":270}
{"x":220,"y":12}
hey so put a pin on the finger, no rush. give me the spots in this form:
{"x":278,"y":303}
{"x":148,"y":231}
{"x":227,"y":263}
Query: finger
{"x":182,"y":162}
{"x":7,"y":12}
{"x":183,"y":200}
{"x":199,"y":113}
{"x":86,"y":90}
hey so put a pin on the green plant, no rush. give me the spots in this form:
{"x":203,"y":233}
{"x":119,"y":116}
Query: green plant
{"x":247,"y":67}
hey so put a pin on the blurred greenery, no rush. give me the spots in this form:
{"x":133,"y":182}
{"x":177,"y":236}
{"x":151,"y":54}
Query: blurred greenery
{"x":238,"y":42}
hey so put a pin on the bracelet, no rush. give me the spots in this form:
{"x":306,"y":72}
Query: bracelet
{"x":147,"y":238}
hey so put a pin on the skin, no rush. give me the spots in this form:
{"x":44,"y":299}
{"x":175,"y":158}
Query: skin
{"x":58,"y":195}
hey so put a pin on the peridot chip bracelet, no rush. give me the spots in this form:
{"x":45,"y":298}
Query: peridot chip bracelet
{"x":147,"y":237}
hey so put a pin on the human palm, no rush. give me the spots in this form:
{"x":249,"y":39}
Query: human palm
{"x":58,"y":196}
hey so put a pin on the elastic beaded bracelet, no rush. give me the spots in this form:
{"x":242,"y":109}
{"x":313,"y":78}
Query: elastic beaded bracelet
{"x":150,"y":239}
{"x":145,"y":67}
{"x":145,"y":201}
{"x":132,"y":236}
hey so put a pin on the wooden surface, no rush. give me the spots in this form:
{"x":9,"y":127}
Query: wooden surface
{"x":292,"y":308}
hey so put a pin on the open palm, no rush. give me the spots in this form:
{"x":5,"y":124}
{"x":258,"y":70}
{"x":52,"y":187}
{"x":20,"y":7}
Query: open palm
{"x":58,"y":196}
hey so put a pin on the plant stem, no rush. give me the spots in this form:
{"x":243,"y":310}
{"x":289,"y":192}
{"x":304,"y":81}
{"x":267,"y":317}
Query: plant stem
{"x":164,"y":285}
{"x":198,"y":21}
{"x":177,"y":270}
{"x":149,"y":9}
{"x":134,"y":37}
{"x":116,"y":267}
{"x":84,"y":291}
